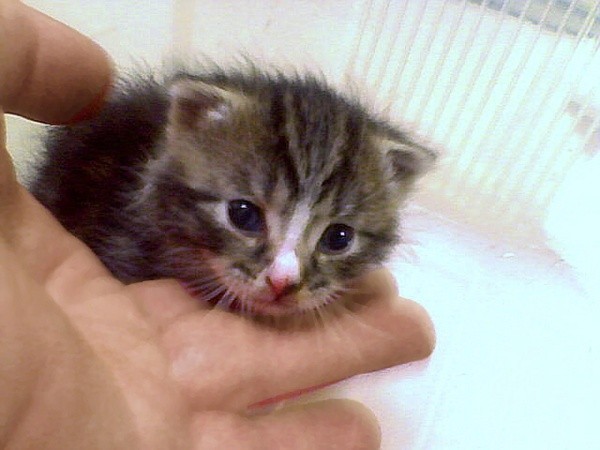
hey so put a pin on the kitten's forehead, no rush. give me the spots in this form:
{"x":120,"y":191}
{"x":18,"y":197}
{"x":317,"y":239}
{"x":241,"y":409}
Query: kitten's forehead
{"x":289,"y":229}
{"x":322,"y":150}
{"x":291,"y":141}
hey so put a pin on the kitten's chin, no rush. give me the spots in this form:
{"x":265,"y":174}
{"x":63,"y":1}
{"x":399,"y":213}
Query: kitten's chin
{"x":268,"y":306}
{"x":271,"y":309}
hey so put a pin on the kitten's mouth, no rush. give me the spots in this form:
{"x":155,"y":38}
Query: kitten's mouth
{"x":266,"y":305}
{"x":274,"y":305}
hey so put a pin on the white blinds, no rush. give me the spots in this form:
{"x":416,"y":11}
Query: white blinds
{"x":510,"y":89}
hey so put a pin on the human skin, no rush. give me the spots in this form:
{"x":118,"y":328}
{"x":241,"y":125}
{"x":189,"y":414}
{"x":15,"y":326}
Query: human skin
{"x":87,"y":362}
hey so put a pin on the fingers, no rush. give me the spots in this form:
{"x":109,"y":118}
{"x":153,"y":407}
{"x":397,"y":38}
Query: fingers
{"x":271,"y":363}
{"x":333,"y":424}
{"x":48,"y":71}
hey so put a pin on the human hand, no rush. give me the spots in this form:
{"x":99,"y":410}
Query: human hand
{"x":87,"y":362}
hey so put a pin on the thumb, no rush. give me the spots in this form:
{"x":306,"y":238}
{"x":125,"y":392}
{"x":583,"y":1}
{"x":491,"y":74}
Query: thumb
{"x":48,"y":71}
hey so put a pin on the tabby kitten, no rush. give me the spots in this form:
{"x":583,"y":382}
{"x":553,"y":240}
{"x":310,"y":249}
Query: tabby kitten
{"x":262,"y":192}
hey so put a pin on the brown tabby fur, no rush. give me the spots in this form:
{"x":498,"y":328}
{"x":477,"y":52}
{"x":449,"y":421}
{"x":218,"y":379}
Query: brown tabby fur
{"x":143,"y":182}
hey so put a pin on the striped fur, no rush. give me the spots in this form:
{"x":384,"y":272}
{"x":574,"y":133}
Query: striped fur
{"x":146,"y":184}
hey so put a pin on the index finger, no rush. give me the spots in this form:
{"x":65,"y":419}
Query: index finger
{"x":48,"y":71}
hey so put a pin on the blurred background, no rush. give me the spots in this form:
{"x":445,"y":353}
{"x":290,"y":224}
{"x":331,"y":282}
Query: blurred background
{"x":501,"y":240}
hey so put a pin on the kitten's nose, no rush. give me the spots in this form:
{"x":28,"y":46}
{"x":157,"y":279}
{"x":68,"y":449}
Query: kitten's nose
{"x":281,"y":286}
{"x":284,"y":273}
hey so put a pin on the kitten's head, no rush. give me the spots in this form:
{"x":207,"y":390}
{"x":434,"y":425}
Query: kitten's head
{"x":272,"y":193}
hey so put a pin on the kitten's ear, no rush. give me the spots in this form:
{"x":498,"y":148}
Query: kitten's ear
{"x":196,"y":104}
{"x":407,"y":158}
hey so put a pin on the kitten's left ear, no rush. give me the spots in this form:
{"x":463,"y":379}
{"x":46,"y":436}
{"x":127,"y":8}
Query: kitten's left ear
{"x":197,"y":104}
{"x":407,"y":158}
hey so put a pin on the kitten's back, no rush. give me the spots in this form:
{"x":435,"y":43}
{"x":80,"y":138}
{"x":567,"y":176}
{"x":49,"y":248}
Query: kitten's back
{"x":86,"y":166}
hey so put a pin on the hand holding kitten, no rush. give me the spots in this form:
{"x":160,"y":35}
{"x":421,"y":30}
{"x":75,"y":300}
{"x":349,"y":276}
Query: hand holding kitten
{"x":92,"y":363}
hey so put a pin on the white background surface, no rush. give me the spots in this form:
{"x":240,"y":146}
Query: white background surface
{"x":517,"y":361}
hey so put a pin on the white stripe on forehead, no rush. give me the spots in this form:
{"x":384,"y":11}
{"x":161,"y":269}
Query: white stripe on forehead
{"x":285,"y":269}
{"x":296,"y":227}
{"x":285,"y":236}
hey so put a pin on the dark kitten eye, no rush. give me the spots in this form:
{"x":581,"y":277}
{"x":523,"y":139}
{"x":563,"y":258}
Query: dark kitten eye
{"x":336,"y":238}
{"x":246,"y":216}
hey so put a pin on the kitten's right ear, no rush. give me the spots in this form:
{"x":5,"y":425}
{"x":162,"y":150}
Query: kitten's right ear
{"x":196,"y":104}
{"x":407,"y":157}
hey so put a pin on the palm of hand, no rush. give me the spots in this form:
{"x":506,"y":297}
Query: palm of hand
{"x":183,"y":370}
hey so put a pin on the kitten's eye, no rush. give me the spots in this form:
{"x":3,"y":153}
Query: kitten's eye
{"x":246,"y":216}
{"x":336,"y":238}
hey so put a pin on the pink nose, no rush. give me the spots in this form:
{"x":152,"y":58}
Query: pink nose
{"x":284,"y":273}
{"x":280,"y":285}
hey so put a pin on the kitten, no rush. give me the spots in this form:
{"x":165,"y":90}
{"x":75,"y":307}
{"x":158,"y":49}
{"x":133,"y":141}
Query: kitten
{"x":262,"y":192}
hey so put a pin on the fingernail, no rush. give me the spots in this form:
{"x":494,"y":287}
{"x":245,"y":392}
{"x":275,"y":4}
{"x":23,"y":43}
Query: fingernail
{"x":92,"y":108}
